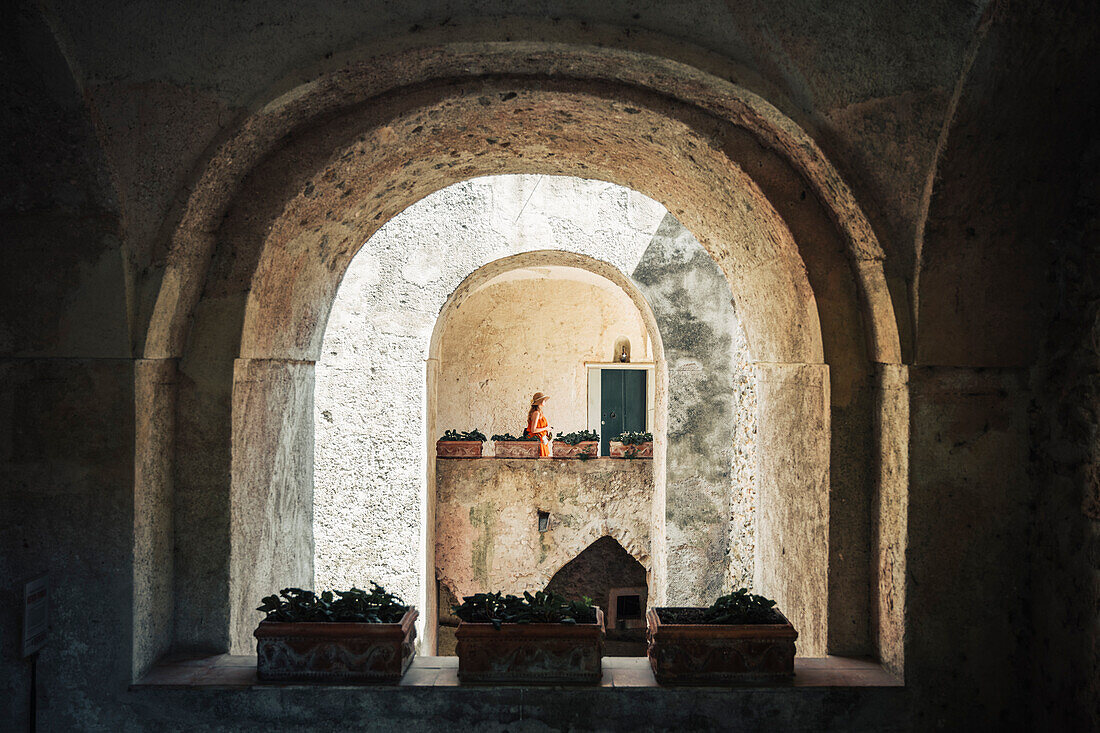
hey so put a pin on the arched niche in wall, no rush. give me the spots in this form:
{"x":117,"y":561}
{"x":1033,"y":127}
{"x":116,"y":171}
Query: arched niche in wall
{"x":273,"y":219}
{"x":632,"y":511}
{"x":616,"y":582}
{"x":621,"y":352}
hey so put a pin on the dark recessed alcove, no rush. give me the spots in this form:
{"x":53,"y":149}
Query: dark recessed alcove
{"x":609,"y":575}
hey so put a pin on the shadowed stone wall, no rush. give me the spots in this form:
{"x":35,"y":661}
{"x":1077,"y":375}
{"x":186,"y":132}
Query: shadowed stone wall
{"x":1065,"y":434}
{"x":964,"y":155}
{"x":711,"y":422}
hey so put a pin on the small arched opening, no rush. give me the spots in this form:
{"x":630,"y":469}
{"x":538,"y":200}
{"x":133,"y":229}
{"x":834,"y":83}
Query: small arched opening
{"x":616,"y":582}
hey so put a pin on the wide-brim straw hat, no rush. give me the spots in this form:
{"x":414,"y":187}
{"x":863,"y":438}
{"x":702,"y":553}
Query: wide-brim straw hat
{"x":539,"y":398}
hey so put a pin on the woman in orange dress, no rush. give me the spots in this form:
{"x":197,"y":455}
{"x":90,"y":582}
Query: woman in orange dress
{"x":538,"y":426}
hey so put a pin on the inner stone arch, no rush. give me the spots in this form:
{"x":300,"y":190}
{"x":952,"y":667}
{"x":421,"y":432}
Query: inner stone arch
{"x":485,"y":532}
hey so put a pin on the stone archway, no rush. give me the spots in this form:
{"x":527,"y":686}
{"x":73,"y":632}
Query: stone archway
{"x":274,"y":220}
{"x":647,"y":547}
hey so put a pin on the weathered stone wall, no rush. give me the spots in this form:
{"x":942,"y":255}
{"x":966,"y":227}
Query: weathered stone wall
{"x":531,"y":333}
{"x":487,"y":535}
{"x":712,"y":418}
{"x":111,"y":137}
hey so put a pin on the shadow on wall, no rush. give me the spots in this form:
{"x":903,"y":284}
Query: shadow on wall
{"x":711,"y":486}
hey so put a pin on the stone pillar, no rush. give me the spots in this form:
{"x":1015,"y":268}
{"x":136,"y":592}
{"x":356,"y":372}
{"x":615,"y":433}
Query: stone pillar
{"x":200,"y":488}
{"x":890,"y":514}
{"x":429,"y":601}
{"x":851,"y":489}
{"x":154,"y":448}
{"x":792,"y":533}
{"x":658,"y":569}
{"x":271,"y":502}
{"x":690,"y":298}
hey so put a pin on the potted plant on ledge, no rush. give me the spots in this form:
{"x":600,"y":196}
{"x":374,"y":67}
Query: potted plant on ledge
{"x":740,"y":638}
{"x":540,"y":638}
{"x":338,"y":636}
{"x":512,"y":446}
{"x":454,"y":444}
{"x":581,"y":444}
{"x":632,"y":445}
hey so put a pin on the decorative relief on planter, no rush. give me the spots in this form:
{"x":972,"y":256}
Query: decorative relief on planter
{"x":530,"y":654}
{"x":334,"y":651}
{"x":588,"y":447}
{"x":458,"y":448}
{"x":638,"y":450}
{"x":709,"y":654}
{"x":516,"y":448}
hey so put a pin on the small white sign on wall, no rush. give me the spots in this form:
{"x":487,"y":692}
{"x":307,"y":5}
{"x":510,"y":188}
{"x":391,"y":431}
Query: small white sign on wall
{"x":36,"y":614}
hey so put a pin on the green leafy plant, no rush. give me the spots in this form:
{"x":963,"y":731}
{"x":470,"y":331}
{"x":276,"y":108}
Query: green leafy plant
{"x":378,"y":606}
{"x":506,"y":437}
{"x":474,"y":434}
{"x":579,"y":436}
{"x":628,"y":438}
{"x":541,"y":607}
{"x":741,"y":607}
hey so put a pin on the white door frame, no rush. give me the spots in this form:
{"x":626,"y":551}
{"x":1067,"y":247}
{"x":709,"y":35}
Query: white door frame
{"x":595,"y":390}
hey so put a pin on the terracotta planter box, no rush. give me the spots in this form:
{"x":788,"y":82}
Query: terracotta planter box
{"x":458,"y":448}
{"x":564,"y":450}
{"x":335,"y":652}
{"x":719,"y":654}
{"x":642,"y":450}
{"x":516,"y":448}
{"x":530,"y":654}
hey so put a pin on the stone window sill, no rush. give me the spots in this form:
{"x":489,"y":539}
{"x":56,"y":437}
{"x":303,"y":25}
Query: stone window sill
{"x":239,"y":671}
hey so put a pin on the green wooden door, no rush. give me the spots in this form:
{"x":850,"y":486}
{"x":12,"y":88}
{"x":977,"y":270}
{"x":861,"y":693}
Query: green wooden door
{"x":622,"y":404}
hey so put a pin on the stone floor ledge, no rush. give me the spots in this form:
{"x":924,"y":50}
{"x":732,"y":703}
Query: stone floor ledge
{"x":239,"y":671}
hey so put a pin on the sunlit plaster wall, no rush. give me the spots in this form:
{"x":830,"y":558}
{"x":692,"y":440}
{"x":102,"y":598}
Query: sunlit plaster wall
{"x":534,"y":332}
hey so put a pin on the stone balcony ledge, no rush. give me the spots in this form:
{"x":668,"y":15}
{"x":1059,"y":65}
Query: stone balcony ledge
{"x":239,"y":671}
{"x":222,"y":693}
